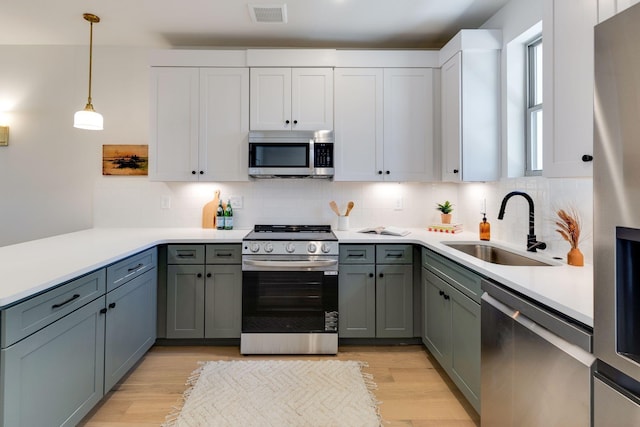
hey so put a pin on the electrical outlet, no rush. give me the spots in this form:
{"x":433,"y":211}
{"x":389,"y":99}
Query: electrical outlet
{"x":399,"y":204}
{"x":165,"y":202}
{"x":236,"y":202}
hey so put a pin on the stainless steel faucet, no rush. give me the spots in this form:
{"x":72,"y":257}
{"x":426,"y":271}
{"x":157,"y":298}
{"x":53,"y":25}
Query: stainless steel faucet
{"x":532,"y":243}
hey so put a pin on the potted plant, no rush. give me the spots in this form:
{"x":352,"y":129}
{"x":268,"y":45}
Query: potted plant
{"x":445,"y":212}
{"x":569,"y":228}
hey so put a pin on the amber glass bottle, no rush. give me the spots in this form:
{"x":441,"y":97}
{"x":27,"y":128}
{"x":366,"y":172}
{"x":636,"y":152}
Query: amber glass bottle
{"x":485,"y":228}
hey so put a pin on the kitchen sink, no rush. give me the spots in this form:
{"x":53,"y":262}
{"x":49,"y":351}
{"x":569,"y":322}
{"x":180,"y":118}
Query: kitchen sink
{"x":497,"y":255}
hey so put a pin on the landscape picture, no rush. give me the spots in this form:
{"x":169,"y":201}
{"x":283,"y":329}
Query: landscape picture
{"x":125,"y":160}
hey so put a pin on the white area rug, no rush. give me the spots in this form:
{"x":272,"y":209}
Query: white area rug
{"x":278,"y":393}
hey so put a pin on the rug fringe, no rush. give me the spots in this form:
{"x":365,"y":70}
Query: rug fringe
{"x":371,"y":386}
{"x":172,"y":418}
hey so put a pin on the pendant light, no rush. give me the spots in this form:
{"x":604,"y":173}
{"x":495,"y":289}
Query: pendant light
{"x":89,"y":118}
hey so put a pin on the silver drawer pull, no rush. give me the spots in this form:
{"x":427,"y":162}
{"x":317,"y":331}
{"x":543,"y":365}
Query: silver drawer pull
{"x":60,"y":304}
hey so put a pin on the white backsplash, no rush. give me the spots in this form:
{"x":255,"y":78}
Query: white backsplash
{"x":137,"y":202}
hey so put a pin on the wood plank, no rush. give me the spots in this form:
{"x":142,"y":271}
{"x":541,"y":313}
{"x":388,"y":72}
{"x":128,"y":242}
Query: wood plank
{"x":412,"y":387}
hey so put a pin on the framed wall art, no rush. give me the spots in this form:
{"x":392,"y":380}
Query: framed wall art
{"x":125,"y":160}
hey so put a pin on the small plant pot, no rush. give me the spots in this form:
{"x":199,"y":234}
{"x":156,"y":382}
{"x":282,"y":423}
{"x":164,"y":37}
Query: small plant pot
{"x":445,"y":218}
{"x":575,"y":257}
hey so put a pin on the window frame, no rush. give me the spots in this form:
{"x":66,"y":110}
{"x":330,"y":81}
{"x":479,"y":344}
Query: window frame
{"x":531,"y":108}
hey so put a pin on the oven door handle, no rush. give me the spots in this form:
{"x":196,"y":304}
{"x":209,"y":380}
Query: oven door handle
{"x":291,"y":264}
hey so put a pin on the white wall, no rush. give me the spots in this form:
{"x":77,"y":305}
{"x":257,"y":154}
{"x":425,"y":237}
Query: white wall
{"x":49,"y":168}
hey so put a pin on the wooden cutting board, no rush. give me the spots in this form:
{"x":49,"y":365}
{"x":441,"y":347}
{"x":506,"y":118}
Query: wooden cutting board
{"x":209,"y":212}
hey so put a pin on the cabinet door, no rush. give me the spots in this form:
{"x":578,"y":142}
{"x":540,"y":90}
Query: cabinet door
{"x":451,"y":99}
{"x":394,"y":301}
{"x":408,"y":125}
{"x":357,"y":301}
{"x":312,"y":99}
{"x":173,"y":148}
{"x":437,"y":328}
{"x":223,"y":301}
{"x":224,"y":124}
{"x":358,"y":124}
{"x":185,"y":301}
{"x":465,"y":345}
{"x":568,"y":87}
{"x":55,"y":376}
{"x":270,"y":103}
{"x":131,"y":326}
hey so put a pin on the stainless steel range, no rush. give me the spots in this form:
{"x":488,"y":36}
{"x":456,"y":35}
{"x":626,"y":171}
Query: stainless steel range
{"x":290,"y":290}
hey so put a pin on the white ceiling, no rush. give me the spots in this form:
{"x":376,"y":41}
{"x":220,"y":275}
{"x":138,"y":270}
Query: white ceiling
{"x":219,"y":23}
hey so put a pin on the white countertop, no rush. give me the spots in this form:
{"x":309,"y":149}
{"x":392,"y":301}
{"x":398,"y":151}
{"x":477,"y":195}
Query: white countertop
{"x":32,"y":267}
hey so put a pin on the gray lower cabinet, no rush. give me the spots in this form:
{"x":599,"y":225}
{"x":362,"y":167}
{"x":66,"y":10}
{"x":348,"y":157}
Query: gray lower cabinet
{"x":130,"y":325}
{"x":451,"y":321}
{"x":204,"y":291}
{"x":55,"y":376}
{"x":64,"y":349}
{"x":376,"y":291}
{"x":357,"y":301}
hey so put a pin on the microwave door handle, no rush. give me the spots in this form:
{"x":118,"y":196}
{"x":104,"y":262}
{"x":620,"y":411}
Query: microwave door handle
{"x":312,"y":155}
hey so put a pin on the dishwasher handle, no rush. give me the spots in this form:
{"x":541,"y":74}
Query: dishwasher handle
{"x":584,"y":357}
{"x":568,"y":331}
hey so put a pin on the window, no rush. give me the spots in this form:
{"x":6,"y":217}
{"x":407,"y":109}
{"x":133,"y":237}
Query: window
{"x":534,"y":108}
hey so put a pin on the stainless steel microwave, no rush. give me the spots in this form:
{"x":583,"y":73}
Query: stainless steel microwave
{"x":291,"y":154}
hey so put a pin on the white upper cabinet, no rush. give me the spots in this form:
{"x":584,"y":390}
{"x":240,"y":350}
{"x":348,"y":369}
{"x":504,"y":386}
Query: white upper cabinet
{"x":224,"y":123}
{"x":384,"y":124}
{"x":358,"y":124}
{"x":173,"y":148}
{"x":567,"y":33}
{"x":291,"y":99}
{"x":199,"y":124}
{"x":408,"y":150}
{"x":470,"y":110}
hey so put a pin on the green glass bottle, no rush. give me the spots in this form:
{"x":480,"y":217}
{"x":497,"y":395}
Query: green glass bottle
{"x":220,"y":216}
{"x":228,"y":216}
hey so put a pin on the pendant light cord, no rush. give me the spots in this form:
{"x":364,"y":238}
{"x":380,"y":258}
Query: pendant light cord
{"x":90,"y":60}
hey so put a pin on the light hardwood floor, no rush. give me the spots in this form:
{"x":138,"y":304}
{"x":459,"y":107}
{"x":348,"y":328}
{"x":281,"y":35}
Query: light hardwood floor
{"x":412,"y":388}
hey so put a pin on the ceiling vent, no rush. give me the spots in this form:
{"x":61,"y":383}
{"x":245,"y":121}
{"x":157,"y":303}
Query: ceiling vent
{"x":268,"y":13}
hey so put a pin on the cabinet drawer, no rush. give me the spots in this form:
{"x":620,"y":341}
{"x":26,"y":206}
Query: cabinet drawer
{"x":185,"y":254}
{"x":133,"y":266}
{"x":456,"y":275}
{"x":357,"y":254}
{"x":27,"y":317}
{"x":394,"y":254}
{"x":224,"y":254}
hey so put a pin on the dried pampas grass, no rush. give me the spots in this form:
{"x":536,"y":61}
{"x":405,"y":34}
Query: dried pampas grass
{"x":569,"y":226}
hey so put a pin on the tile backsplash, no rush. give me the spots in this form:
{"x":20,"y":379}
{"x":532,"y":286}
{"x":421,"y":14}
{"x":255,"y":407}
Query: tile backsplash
{"x":137,"y":202}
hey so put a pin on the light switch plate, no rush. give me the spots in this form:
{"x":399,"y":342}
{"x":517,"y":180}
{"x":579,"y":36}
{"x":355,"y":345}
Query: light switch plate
{"x":236,"y":202}
{"x":165,"y":202}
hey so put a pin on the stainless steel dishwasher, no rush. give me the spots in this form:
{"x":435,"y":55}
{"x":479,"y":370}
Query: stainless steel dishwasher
{"x":536,"y":365}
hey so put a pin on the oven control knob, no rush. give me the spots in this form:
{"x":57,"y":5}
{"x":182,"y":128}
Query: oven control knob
{"x":312,"y":248}
{"x":254,"y":247}
{"x":291,"y":247}
{"x":268,"y":247}
{"x":325,"y":248}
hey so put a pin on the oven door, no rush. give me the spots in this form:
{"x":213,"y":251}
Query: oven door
{"x":289,"y":301}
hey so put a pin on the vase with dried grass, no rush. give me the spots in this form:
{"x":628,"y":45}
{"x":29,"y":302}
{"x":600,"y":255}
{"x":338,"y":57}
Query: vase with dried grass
{"x":569,"y":228}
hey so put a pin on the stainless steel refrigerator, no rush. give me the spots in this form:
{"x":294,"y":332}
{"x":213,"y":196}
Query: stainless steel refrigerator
{"x":616,"y":381}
